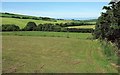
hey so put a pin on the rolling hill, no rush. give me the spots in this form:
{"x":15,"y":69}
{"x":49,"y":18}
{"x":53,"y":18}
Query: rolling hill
{"x":22,"y":20}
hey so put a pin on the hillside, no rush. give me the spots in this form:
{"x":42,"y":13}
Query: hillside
{"x":20,"y":16}
{"x":22,"y":20}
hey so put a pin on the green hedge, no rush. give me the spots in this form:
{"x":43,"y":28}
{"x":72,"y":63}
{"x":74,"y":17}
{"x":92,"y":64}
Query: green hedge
{"x":10,"y":27}
{"x":31,"y":26}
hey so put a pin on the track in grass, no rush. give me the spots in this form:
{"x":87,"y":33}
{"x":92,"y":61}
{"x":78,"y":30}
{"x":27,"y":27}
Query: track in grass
{"x":33,"y":54}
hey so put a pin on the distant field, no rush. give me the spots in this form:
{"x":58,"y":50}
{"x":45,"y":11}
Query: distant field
{"x":85,"y":26}
{"x":30,"y":52}
{"x":22,"y":22}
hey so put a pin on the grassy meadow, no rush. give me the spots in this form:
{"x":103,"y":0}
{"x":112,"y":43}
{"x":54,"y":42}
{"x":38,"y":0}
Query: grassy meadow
{"x":22,"y":22}
{"x":49,"y":34}
{"x":53,"y":52}
{"x":84,"y":26}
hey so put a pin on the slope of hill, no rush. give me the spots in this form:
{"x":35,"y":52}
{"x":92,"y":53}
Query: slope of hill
{"x":22,"y":20}
{"x":19,"y":16}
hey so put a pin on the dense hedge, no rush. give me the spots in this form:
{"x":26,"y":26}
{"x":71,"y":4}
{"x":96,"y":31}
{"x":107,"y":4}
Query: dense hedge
{"x":108,"y":29}
{"x":31,"y":26}
{"x":10,"y":15}
{"x":73,"y":24}
{"x":10,"y":27}
{"x":56,"y":28}
{"x":108,"y":24}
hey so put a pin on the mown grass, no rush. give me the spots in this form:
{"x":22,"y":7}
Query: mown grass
{"x":85,"y":26}
{"x":33,"y":54}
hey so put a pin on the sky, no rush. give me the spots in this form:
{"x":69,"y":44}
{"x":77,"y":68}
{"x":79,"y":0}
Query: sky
{"x":55,"y":9}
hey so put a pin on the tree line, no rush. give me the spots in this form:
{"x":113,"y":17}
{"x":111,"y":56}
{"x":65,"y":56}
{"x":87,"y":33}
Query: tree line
{"x":108,"y":29}
{"x":10,"y":15}
{"x":31,"y":26}
{"x":74,"y":24}
{"x":108,"y":24}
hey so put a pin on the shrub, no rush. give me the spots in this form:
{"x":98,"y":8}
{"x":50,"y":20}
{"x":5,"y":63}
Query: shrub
{"x":109,"y":49}
{"x":30,"y":26}
{"x":10,"y":27}
{"x":57,"y":28}
{"x":39,"y":27}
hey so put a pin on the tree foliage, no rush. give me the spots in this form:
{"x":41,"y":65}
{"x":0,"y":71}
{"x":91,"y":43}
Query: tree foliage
{"x":30,"y":26}
{"x":10,"y":27}
{"x":108,"y":24}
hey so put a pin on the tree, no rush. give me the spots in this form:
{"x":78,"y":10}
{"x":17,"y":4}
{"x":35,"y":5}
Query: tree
{"x":39,"y":27}
{"x":108,"y":24}
{"x":30,"y":26}
{"x":57,"y":28}
{"x":9,"y":27}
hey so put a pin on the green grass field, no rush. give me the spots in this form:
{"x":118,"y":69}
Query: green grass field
{"x":85,"y":26}
{"x":30,"y":52}
{"x":22,"y":22}
{"x":49,"y":34}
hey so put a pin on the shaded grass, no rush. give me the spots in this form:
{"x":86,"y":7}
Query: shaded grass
{"x":31,"y":54}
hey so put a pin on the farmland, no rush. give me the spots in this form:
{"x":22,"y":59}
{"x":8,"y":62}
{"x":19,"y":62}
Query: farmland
{"x":84,"y":26}
{"x":22,"y":22}
{"x":31,"y":52}
{"x":47,"y":51}
{"x":49,"y":34}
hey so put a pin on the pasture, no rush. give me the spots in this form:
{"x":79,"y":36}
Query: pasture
{"x":49,"y":34}
{"x":52,"y":52}
{"x":84,"y":26}
{"x":22,"y":22}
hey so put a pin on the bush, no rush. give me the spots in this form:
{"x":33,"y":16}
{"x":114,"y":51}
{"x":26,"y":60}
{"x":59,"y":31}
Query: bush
{"x":109,"y":49}
{"x":48,"y":27}
{"x":57,"y":28}
{"x":10,"y":27}
{"x":108,"y":24}
{"x":73,"y":24}
{"x":30,"y":26}
{"x":39,"y":27}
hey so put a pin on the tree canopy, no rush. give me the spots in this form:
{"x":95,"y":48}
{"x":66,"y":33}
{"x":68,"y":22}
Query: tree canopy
{"x":108,"y":24}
